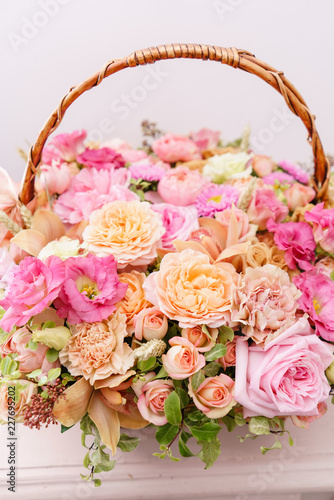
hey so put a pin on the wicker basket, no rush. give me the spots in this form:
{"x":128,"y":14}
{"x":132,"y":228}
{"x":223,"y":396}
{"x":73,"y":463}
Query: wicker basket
{"x":231,"y":56}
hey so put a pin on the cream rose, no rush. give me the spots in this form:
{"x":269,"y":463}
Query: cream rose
{"x":134,"y":299}
{"x":221,"y":167}
{"x":192,"y":291}
{"x":97,"y":350}
{"x":128,"y":230}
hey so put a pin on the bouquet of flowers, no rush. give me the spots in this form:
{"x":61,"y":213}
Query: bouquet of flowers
{"x":186,"y":285}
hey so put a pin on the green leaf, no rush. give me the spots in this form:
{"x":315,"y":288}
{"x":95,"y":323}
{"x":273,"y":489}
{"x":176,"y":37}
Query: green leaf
{"x":184,"y":398}
{"x":86,"y":425}
{"x":53,"y":374}
{"x":239,"y":419}
{"x":147,"y":365}
{"x":290,"y":440}
{"x":32,"y":345}
{"x":205,"y":432}
{"x":212,"y":369}
{"x":161,"y":374}
{"x":183,"y":448}
{"x":276,"y":446}
{"x":172,"y":409}
{"x":97,"y":482}
{"x":101,"y":460}
{"x":64,"y":429}
{"x":196,"y":416}
{"x":86,"y":460}
{"x":216,"y":352}
{"x":166,"y":433}
{"x":197,"y":379}
{"x":332,"y":275}
{"x":229,"y":422}
{"x":226,"y":334}
{"x":51,"y":355}
{"x":5,"y":364}
{"x":248,"y":436}
{"x":210,"y":452}
{"x":34,"y":374}
{"x":43,"y":380}
{"x":49,"y":324}
{"x":259,"y":425}
{"x":127,"y":443}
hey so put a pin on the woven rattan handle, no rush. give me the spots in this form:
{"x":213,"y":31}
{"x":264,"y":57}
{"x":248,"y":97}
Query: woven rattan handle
{"x":230,"y":56}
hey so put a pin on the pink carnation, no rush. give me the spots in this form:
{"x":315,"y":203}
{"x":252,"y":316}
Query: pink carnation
{"x":65,"y":147}
{"x":181,"y":186}
{"x":151,"y":172}
{"x":179,"y":222}
{"x":172,"y":148}
{"x":216,"y":198}
{"x":33,"y":286}
{"x":322,"y":220}
{"x":90,"y":190}
{"x":296,"y":239}
{"x":278,"y":177}
{"x":91,"y":289}
{"x":205,"y":138}
{"x":264,"y":206}
{"x":295,"y":170}
{"x":103,"y":158}
{"x":317,"y":301}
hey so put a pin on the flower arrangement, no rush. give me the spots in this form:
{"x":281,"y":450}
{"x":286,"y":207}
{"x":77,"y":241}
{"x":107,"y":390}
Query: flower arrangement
{"x":187,"y":286}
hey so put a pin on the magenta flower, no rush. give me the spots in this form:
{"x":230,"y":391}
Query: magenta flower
{"x":147,"y":171}
{"x":91,"y":289}
{"x":295,"y":170}
{"x":103,"y":158}
{"x":296,"y":239}
{"x":65,"y":147}
{"x":317,"y":301}
{"x":322,"y":220}
{"x":280,"y":177}
{"x":216,"y":198}
{"x":33,"y":286}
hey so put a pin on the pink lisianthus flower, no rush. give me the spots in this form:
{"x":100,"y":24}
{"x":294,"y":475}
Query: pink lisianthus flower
{"x":317,"y":301}
{"x":151,"y":172}
{"x":33,"y":286}
{"x":264,"y":206}
{"x":295,"y":170}
{"x":90,"y":190}
{"x":171,"y":148}
{"x":90,"y":290}
{"x":181,"y":186}
{"x":179,"y":222}
{"x":286,"y":377}
{"x":101,"y":159}
{"x":65,"y":147}
{"x":205,"y":138}
{"x":322,"y":220}
{"x":296,"y":239}
{"x":56,"y":178}
{"x":216,"y":198}
{"x":278,"y":177}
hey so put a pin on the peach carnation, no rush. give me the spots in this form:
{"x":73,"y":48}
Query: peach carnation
{"x":192,"y":291}
{"x":134,"y":299}
{"x":129,"y":230}
{"x":97,"y":350}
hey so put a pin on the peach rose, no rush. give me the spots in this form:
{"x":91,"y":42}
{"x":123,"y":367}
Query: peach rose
{"x":258,"y":254}
{"x":229,"y":358}
{"x":214,"y":397}
{"x":192,"y":291}
{"x":245,"y":229}
{"x":134,"y":299}
{"x":264,"y":206}
{"x":23,"y":393}
{"x":304,"y":422}
{"x":150,"y":324}
{"x":97,"y":350}
{"x":199,"y":338}
{"x":299,"y":195}
{"x":128,"y":230}
{"x":183,"y":359}
{"x":262,"y":165}
{"x":152,"y":395}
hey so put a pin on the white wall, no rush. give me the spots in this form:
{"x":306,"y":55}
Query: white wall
{"x":44,"y":54}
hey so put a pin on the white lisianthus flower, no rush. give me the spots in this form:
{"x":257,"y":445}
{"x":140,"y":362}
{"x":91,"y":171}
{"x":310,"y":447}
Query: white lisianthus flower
{"x":219,"y":168}
{"x":63,"y":248}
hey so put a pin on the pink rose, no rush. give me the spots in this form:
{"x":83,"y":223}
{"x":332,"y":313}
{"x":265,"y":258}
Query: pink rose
{"x":29,"y":360}
{"x":181,"y":186}
{"x":132,"y":155}
{"x":179,"y":222}
{"x":304,"y":422}
{"x":101,"y":159}
{"x":199,"y":338}
{"x":205,"y":138}
{"x":183,"y":359}
{"x":214,"y":397}
{"x":244,"y":228}
{"x":56,"y":178}
{"x":296,"y":239}
{"x":286,"y":377}
{"x":33,"y":286}
{"x":262,"y":165}
{"x":65,"y":147}
{"x":152,"y":395}
{"x":90,"y":290}
{"x":172,"y":148}
{"x":322,"y":220}
{"x":230,"y":357}
{"x":298,"y":195}
{"x":324,"y":265}
{"x":317,"y":301}
{"x":264,"y":206}
{"x":150,"y":323}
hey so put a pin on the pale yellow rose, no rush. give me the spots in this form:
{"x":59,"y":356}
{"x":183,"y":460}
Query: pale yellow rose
{"x":128,"y":230}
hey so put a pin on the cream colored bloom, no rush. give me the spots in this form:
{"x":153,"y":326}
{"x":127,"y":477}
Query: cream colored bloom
{"x":129,"y":230}
{"x":221,"y":167}
{"x":63,"y":248}
{"x":97,"y":350}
